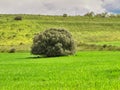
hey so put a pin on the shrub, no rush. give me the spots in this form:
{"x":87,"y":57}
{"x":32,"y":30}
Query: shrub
{"x":90,"y":14}
{"x":53,"y":42}
{"x":105,"y":14}
{"x":65,"y":15}
{"x":12,"y":50}
{"x":104,"y":46}
{"x":18,"y":18}
{"x":21,"y":43}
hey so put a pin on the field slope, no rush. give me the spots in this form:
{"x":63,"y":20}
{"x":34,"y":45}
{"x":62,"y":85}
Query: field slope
{"x":83,"y":71}
{"x":90,"y":30}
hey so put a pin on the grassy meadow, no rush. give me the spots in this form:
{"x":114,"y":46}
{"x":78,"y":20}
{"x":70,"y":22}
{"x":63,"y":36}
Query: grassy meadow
{"x":89,"y":70}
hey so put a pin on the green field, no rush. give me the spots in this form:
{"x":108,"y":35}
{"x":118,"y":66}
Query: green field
{"x":95,"y":66}
{"x":84,"y":71}
{"x":88,"y":30}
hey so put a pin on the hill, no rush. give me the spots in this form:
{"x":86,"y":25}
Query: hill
{"x":90,"y":31}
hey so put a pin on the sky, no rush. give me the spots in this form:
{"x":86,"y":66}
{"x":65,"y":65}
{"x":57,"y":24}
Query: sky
{"x":58,"y":7}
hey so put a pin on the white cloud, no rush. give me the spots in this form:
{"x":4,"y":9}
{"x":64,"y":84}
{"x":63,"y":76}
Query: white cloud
{"x":72,"y":7}
{"x":112,"y":5}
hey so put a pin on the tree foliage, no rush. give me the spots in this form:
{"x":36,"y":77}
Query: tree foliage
{"x":18,"y":18}
{"x":65,"y":15}
{"x":90,"y":14}
{"x":53,"y":42}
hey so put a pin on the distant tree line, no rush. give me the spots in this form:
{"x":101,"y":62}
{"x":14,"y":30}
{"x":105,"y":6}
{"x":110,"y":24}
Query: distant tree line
{"x":92,"y":14}
{"x":104,"y":14}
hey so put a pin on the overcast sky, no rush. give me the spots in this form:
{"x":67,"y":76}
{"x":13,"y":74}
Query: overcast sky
{"x":57,"y":7}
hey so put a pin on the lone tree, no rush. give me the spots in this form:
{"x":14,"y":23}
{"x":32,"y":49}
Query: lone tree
{"x":18,"y":18}
{"x":65,"y":15}
{"x":53,"y":42}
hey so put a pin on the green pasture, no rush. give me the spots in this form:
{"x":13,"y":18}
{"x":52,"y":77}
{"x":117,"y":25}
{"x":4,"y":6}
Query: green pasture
{"x":93,"y":70}
{"x":114,"y":43}
{"x":93,"y":67}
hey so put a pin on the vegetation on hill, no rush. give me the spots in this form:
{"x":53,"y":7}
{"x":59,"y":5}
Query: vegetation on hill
{"x":85,"y":30}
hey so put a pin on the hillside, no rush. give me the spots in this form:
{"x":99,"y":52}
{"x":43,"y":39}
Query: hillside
{"x":87,"y":30}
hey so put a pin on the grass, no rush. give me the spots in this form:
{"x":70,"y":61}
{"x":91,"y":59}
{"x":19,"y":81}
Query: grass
{"x":95,"y":30}
{"x":114,"y":43}
{"x":83,"y":71}
{"x":87,"y":70}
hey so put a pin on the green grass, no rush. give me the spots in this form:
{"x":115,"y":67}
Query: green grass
{"x":83,"y":71}
{"x":114,"y":43}
{"x":94,"y":30}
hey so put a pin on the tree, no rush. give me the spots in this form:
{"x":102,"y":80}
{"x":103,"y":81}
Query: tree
{"x":53,"y":42}
{"x":105,"y":14}
{"x":65,"y":15}
{"x":90,"y":14}
{"x":18,"y":18}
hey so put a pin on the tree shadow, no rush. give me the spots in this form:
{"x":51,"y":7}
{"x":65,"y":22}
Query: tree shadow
{"x":32,"y":57}
{"x":39,"y":57}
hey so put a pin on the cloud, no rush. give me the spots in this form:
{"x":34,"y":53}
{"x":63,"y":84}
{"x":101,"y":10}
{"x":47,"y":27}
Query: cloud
{"x":112,"y":6}
{"x":57,"y":7}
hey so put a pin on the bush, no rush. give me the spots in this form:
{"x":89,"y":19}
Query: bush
{"x":90,"y":14}
{"x":53,"y":42}
{"x":65,"y":15}
{"x":104,"y":46}
{"x":12,"y":50}
{"x":18,"y":18}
